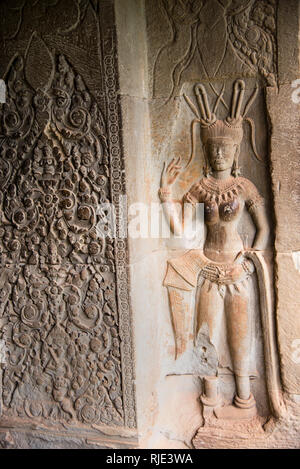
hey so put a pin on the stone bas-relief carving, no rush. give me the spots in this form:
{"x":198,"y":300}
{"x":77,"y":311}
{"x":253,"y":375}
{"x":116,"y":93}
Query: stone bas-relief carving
{"x":219,"y":275}
{"x":64,"y":306}
{"x":246,"y":28}
{"x":51,"y":199}
{"x":63,"y":360}
{"x":59,"y":312}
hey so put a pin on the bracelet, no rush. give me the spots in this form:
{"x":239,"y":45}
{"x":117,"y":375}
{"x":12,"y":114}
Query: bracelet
{"x":165,"y":194}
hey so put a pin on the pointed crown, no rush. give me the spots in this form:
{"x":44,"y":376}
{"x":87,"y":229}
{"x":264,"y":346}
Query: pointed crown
{"x":231,"y":127}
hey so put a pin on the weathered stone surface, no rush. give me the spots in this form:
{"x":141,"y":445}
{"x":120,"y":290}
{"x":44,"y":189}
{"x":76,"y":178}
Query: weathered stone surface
{"x":65,"y":313}
{"x":75,"y":133}
{"x":288,"y":277}
{"x":288,"y":27}
{"x":283,"y":109}
{"x":186,"y":43}
{"x":181,"y":52}
{"x":36,"y":439}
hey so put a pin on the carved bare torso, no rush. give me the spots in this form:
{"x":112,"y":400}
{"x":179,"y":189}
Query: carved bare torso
{"x":224,"y":202}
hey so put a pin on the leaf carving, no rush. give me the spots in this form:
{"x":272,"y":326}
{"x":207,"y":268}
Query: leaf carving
{"x":39,"y":64}
{"x":212,"y":37}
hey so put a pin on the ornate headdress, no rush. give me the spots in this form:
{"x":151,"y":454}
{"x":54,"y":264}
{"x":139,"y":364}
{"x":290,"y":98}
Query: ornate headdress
{"x":231,"y":127}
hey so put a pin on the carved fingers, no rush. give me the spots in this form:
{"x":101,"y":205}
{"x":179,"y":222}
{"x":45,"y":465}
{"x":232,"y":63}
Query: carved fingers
{"x":170,"y":172}
{"x":233,"y":274}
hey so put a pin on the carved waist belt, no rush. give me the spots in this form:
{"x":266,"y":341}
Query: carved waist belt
{"x":183,"y":271}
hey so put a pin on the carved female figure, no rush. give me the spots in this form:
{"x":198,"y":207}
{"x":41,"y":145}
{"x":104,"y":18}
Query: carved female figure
{"x":219,"y":275}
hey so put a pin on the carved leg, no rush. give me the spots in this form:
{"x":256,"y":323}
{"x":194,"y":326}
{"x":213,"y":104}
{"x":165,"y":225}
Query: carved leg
{"x":242,"y":386}
{"x":210,"y":309}
{"x":239,"y":331}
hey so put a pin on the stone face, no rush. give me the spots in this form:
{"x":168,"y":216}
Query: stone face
{"x":65,"y":315}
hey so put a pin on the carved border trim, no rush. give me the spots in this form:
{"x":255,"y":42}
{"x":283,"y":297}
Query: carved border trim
{"x":114,"y":129}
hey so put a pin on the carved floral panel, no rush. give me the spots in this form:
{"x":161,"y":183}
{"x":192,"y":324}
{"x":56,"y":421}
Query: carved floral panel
{"x":64,"y":310}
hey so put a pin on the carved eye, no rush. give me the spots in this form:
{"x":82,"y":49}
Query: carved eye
{"x":48,"y":198}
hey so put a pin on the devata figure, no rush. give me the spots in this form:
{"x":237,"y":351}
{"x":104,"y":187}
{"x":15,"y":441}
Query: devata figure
{"x":219,"y":274}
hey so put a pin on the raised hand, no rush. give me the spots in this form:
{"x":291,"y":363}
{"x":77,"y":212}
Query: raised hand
{"x":170,"y":173}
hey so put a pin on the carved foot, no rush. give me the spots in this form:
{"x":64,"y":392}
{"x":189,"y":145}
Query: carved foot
{"x":242,"y":409}
{"x":210,"y":402}
{"x":208,"y":407}
{"x":210,"y":397}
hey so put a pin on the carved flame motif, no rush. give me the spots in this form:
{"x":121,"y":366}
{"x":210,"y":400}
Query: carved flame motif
{"x":58,"y":286}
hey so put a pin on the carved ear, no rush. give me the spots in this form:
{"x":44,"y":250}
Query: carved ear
{"x":235,"y":167}
{"x":237,"y":149}
{"x":206,"y":167}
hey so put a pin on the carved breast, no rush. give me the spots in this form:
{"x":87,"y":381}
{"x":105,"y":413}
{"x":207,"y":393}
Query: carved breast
{"x":229,"y":210}
{"x":225,"y":211}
